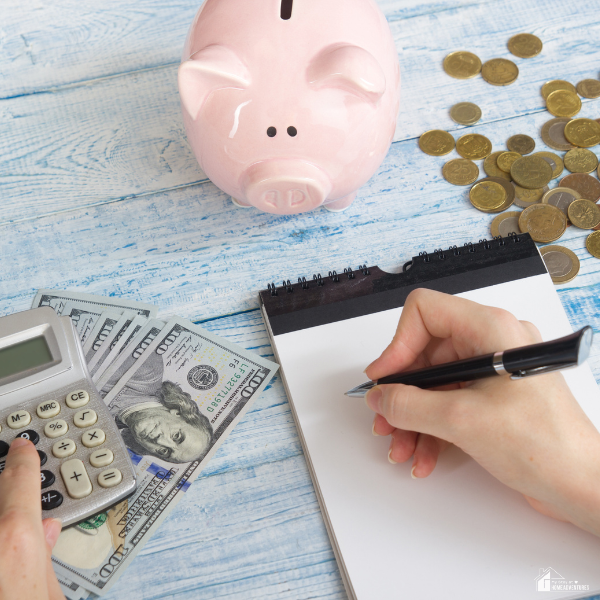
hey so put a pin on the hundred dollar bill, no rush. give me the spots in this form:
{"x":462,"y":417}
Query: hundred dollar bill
{"x":102,"y":329}
{"x":174,"y":406}
{"x":84,"y":319}
{"x":58,"y":298}
{"x":115,"y":345}
{"x":129,"y":356}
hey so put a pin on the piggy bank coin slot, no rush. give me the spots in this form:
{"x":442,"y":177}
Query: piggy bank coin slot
{"x":286,"y":9}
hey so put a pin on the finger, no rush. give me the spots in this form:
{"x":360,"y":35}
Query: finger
{"x":427,"y":452}
{"x":20,"y":483}
{"x":533,"y":331}
{"x":434,"y":412}
{"x":381,"y":426}
{"x":402,"y":446}
{"x":474,"y":328}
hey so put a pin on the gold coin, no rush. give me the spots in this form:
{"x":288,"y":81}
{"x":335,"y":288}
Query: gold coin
{"x":436,"y":142}
{"x":473,"y":146}
{"x":500,"y":71}
{"x":584,"y":214}
{"x":589,"y":88}
{"x":554,"y":160}
{"x":587,"y":186}
{"x":563,"y":103}
{"x":543,"y":222}
{"x":462,"y":65}
{"x":525,"y":45}
{"x":556,"y":84}
{"x":562,"y":263}
{"x":521,"y":143}
{"x":584,"y":133}
{"x":561,"y":197}
{"x":465,"y":113}
{"x":554,"y":136}
{"x":460,"y":171}
{"x":525,"y":198}
{"x":491,"y":167}
{"x":593,"y":244}
{"x":531,"y":172}
{"x":487,"y":196}
{"x":506,"y":223}
{"x":506,"y":159}
{"x":508,"y":188}
{"x":580,"y":160}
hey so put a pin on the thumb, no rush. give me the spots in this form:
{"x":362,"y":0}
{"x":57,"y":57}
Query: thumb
{"x":413,"y":409}
{"x":52,"y":529}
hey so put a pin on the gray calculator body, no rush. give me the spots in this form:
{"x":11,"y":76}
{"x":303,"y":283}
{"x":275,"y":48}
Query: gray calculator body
{"x":47,"y":395}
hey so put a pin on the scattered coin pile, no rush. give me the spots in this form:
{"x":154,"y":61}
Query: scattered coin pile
{"x":519,"y":176}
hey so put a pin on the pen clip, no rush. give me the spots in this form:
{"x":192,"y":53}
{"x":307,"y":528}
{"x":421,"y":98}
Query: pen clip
{"x":541,"y":370}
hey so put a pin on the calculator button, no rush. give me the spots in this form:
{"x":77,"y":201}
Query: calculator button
{"x":77,"y":399}
{"x":2,"y":465}
{"x":18,"y":419}
{"x":63,"y":448}
{"x":56,"y":428}
{"x":85,"y":418}
{"x":31,"y":435}
{"x":110,"y":478}
{"x":43,"y":457}
{"x":76,"y":479}
{"x":48,"y":409}
{"x":51,"y":499}
{"x":93,"y":437}
{"x":101,"y":458}
{"x":47,"y":479}
{"x":3,"y":449}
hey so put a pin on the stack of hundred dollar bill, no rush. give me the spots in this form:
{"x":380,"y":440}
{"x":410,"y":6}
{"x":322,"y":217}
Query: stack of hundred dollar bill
{"x":176,"y":391}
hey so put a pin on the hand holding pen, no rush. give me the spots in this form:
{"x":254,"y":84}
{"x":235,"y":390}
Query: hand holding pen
{"x":530,"y":434}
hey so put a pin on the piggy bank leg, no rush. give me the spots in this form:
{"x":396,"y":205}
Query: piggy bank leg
{"x":341,"y":203}
{"x":240,"y":204}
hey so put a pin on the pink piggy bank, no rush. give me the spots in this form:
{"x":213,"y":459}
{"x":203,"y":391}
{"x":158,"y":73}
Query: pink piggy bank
{"x":290,"y":104}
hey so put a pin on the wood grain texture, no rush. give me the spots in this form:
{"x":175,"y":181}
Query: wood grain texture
{"x":100,"y":192}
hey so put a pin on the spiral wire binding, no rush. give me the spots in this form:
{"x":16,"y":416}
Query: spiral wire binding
{"x":426,"y":257}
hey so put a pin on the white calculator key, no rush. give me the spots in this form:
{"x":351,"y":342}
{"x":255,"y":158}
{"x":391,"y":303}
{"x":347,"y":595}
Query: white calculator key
{"x":56,"y":428}
{"x":93,"y":437}
{"x":101,"y":458}
{"x":85,"y":417}
{"x":76,"y":479}
{"x":63,"y":448}
{"x":48,"y":409}
{"x":77,"y":399}
{"x":18,"y":419}
{"x":110,"y":478}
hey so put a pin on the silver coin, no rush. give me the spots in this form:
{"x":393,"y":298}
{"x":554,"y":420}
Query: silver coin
{"x":561,"y":197}
{"x":558,"y":263}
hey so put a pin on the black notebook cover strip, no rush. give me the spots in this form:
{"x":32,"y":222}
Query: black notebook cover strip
{"x":342,"y":296}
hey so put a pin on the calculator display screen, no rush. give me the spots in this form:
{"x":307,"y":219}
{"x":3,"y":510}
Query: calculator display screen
{"x":24,"y":355}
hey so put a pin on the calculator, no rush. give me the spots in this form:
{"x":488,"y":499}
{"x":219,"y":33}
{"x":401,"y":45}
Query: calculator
{"x":48,"y":397}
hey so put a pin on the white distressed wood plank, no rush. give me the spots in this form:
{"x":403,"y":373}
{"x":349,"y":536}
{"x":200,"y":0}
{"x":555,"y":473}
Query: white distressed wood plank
{"x":120,"y":137}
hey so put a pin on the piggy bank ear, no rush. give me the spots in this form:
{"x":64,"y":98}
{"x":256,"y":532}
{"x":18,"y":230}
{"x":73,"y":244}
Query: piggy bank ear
{"x":350,"y":68}
{"x":213,"y":68}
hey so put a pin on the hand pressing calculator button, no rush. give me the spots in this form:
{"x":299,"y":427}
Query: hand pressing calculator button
{"x":64,"y":448}
{"x":76,"y":479}
{"x":30,"y":435}
{"x":18,"y":419}
{"x":85,"y":418}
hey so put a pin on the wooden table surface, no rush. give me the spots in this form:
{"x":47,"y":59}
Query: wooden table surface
{"x":100,"y":193}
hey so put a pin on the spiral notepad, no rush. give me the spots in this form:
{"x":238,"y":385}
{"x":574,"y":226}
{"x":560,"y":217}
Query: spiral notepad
{"x":458,"y":533}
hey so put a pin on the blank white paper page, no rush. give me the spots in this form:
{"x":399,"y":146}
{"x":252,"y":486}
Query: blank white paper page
{"x":458,"y":534}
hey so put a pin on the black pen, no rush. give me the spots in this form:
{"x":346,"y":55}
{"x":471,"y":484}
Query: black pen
{"x":569,"y":351}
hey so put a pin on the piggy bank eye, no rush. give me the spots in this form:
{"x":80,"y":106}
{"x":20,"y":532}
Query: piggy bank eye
{"x":292,"y":131}
{"x":271,"y":132}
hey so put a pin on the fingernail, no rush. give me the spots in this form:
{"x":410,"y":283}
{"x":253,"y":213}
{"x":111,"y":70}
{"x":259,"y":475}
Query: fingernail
{"x":373,"y":397}
{"x":412,"y":472}
{"x":390,"y":458}
{"x":18,"y":442}
{"x":373,"y":430}
{"x":52,"y":529}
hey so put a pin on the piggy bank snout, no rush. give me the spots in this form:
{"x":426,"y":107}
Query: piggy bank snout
{"x":285,"y":186}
